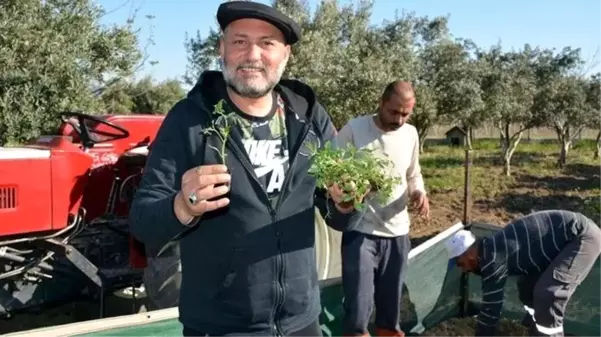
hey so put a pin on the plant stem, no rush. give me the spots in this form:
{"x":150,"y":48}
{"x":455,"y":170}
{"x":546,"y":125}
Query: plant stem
{"x":222,"y":132}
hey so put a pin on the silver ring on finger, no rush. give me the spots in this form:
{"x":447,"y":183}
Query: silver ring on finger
{"x":192,"y":198}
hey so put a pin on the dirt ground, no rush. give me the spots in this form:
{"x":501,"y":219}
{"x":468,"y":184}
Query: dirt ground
{"x":467,"y":326}
{"x":536,"y":183}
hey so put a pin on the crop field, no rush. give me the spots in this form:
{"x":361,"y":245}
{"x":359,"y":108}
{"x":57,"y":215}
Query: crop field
{"x":536,"y":183}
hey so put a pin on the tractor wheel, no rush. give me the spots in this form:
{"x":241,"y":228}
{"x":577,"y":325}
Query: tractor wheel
{"x":162,"y":277}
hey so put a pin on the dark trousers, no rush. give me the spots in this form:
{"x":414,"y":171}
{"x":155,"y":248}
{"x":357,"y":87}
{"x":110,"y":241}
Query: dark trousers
{"x":373,"y":270}
{"x":546,"y":295}
{"x":313,"y":329}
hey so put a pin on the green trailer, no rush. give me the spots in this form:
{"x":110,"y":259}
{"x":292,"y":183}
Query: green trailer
{"x":435,"y":291}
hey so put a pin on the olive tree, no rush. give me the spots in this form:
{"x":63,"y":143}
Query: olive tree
{"x":57,"y":56}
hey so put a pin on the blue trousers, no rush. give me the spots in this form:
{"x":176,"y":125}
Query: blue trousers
{"x":373,"y":272}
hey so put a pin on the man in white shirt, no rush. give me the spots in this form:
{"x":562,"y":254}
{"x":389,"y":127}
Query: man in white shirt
{"x":376,"y":247}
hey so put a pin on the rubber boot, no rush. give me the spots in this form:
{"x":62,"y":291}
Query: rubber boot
{"x":389,"y":333}
{"x":527,"y":321}
{"x":532,"y":331}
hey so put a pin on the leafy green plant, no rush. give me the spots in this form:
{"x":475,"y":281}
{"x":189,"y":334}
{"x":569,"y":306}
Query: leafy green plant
{"x":356,"y":171}
{"x":592,"y":208}
{"x":221,"y":127}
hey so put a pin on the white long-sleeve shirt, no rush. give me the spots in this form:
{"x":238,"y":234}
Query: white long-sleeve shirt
{"x":402,"y":148}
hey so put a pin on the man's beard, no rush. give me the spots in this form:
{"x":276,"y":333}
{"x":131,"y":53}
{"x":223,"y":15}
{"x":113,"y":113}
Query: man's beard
{"x":389,"y":126}
{"x":394,"y":126}
{"x":256,"y":87}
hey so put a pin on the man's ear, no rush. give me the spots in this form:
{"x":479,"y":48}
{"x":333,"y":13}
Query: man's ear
{"x":221,"y":46}
{"x":473,"y":252}
{"x":288,"y":52}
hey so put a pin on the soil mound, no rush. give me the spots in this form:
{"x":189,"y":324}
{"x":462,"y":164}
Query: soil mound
{"x":467,"y":327}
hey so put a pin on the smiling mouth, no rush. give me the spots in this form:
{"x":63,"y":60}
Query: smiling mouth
{"x":251,"y":70}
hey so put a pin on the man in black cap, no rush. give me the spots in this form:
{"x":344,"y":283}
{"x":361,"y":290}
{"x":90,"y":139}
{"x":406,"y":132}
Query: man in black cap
{"x":248,"y":257}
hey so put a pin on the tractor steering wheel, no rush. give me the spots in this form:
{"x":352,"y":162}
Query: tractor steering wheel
{"x":88,"y":137}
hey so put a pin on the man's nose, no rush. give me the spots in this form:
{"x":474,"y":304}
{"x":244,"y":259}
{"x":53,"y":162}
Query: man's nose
{"x":254,"y":52}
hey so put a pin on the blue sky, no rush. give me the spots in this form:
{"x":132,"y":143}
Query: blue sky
{"x":546,"y":23}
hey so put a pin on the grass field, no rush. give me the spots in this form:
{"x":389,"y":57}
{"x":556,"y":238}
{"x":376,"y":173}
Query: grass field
{"x":535,"y":184}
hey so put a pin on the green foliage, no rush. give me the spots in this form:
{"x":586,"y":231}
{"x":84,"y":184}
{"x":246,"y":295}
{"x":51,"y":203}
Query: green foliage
{"x":593,"y":100}
{"x":56,"y":56}
{"x":592,"y":208}
{"x":144,"y":96}
{"x":355,"y":171}
{"x":456,"y":81}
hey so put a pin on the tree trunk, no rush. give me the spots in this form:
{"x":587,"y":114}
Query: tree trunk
{"x":422,"y":133}
{"x":598,"y":152}
{"x":509,"y":147}
{"x":565,"y":147}
{"x":504,"y":133}
{"x":468,"y":137}
{"x":507,"y":165}
{"x":565,"y":140}
{"x":471,"y":135}
{"x":422,"y":141}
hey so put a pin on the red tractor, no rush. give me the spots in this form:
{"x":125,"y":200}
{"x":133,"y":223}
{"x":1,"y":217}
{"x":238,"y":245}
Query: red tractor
{"x":64,"y":201}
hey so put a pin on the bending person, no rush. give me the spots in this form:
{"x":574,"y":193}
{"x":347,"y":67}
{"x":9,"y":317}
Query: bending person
{"x":552,"y":252}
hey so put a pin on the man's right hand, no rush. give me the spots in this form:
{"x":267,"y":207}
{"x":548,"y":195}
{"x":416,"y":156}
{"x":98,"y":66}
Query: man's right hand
{"x":337,"y":195}
{"x":199,"y":183}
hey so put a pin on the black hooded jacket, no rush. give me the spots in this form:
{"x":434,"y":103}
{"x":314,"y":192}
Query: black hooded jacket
{"x":250,"y":267}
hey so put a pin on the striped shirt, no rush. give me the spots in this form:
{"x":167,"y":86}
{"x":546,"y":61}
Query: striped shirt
{"x":526,"y":246}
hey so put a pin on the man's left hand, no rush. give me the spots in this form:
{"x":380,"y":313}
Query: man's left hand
{"x":421,"y":203}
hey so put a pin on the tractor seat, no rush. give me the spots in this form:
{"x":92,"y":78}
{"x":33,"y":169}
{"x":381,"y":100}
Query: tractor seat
{"x":136,"y":156}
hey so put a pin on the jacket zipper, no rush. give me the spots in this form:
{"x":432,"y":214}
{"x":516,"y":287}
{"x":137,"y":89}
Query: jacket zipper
{"x":292,"y":162}
{"x":248,"y":166}
{"x":279,"y":263}
{"x":279,"y":288}
{"x":273,"y":211}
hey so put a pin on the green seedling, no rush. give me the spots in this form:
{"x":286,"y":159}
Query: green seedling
{"x":221,"y":127}
{"x":356,"y":171}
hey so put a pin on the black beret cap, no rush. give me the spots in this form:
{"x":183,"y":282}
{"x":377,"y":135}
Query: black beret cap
{"x":234,"y":10}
